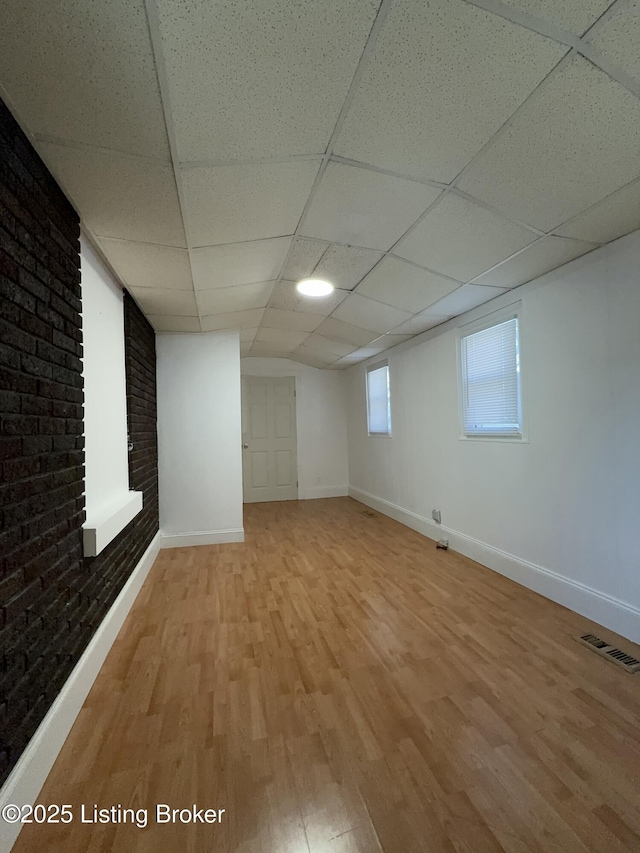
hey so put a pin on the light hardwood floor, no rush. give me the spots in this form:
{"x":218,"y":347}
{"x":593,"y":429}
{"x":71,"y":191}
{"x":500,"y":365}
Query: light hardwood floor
{"x":336,"y":684}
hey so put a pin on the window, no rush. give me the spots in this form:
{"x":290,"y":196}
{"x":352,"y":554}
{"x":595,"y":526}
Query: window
{"x":378,"y":400}
{"x":490,"y":373}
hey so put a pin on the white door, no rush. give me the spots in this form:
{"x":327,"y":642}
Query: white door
{"x":269,"y":459}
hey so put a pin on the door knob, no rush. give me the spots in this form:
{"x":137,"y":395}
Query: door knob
{"x":245,"y":446}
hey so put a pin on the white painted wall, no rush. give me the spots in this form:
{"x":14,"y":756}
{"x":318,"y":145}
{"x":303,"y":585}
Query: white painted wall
{"x":321,"y":412}
{"x":105,"y":396}
{"x":561,"y":512}
{"x":199,"y":438}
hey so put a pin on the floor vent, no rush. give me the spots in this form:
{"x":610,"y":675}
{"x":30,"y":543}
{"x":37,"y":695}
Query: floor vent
{"x":627,"y":662}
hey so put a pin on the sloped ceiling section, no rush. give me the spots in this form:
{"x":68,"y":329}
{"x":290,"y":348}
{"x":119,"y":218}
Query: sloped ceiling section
{"x":425,"y":155}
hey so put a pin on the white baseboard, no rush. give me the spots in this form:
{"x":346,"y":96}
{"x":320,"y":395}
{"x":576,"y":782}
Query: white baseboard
{"x":324,"y":492}
{"x":614,"y":614}
{"x":28,"y":776}
{"x":207,"y":537}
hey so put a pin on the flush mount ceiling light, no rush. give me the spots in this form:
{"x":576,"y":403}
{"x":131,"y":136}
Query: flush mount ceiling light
{"x":314,"y":287}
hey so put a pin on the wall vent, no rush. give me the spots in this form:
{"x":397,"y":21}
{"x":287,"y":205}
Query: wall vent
{"x":626,"y":661}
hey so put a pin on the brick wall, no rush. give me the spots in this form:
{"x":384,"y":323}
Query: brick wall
{"x":51,"y":600}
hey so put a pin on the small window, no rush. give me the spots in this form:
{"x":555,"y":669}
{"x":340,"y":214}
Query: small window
{"x":378,"y":400}
{"x":490,"y":373}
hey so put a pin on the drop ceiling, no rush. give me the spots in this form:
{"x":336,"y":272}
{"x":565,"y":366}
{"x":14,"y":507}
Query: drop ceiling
{"x":425,"y":155}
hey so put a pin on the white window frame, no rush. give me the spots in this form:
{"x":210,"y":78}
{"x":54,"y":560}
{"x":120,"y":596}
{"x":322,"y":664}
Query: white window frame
{"x":369,"y":370}
{"x":509,"y":312}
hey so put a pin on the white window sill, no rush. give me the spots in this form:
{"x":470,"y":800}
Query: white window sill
{"x":102,"y":527}
{"x":505,"y":439}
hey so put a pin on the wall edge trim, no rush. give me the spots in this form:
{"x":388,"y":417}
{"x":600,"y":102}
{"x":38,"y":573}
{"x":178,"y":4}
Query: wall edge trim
{"x":25,"y":781}
{"x":204,"y":537}
{"x":323,"y":492}
{"x":612,"y":613}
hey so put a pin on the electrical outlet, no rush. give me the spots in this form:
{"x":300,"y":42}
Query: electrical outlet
{"x":435,"y":515}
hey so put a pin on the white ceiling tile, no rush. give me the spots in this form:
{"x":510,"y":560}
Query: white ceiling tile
{"x":345,"y":266}
{"x":286,"y":298}
{"x":299,"y":321}
{"x":241,"y":297}
{"x":283,"y":338}
{"x":234,"y":320}
{"x":573,"y":142}
{"x":362,"y":353}
{"x":313,"y":357}
{"x":119,"y":196}
{"x":247,"y":335}
{"x":239,"y":263}
{"x":167,"y":323}
{"x":303,"y":258}
{"x":177,"y":303}
{"x":387,"y":341}
{"x":345,"y":363}
{"x":365,"y":208}
{"x":421,"y":322}
{"x":274,"y":346}
{"x":462,"y":239}
{"x":545,"y":255}
{"x":618,"y":37}
{"x":230,"y":204}
{"x":574,"y":15}
{"x":337,"y":330}
{"x":254,"y":79}
{"x":405,"y":286}
{"x":609,"y":219}
{"x":363,"y":312}
{"x":268,"y":351}
{"x":321,"y":344}
{"x":148,"y":265}
{"x":464,"y":299}
{"x":443,"y":79}
{"x":84,"y":72}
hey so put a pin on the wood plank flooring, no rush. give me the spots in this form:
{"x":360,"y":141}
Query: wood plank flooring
{"x":339,"y":686}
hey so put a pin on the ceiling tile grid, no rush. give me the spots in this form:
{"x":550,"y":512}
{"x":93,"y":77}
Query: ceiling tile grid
{"x":541,"y":257}
{"x":84,"y":71}
{"x":299,"y":321}
{"x":118,"y":196}
{"x":444,"y":77}
{"x":479,"y":158}
{"x":303,"y":258}
{"x":366,"y":313}
{"x":609,"y":219}
{"x":462,"y":239}
{"x":176,"y":303}
{"x":345,"y":266}
{"x":263,"y":79}
{"x":575,"y":15}
{"x":403,"y":285}
{"x":572,"y":143}
{"x":238,"y":263}
{"x":241,"y":297}
{"x":617,"y":39}
{"x":364,"y":208}
{"x":249,"y":319}
{"x":148,"y":265}
{"x":339,"y":331}
{"x":231,"y":204}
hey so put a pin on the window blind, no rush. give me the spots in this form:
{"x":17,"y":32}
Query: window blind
{"x":491,"y":380}
{"x":379,"y":401}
